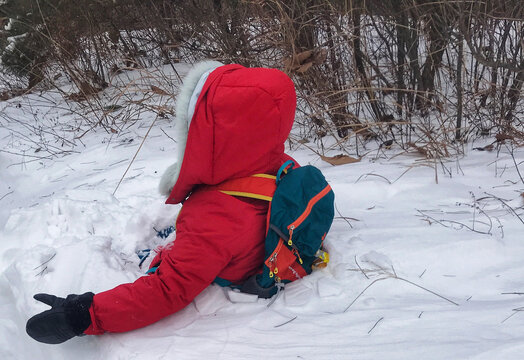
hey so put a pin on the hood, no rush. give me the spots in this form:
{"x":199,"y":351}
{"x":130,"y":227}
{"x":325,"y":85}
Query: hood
{"x":231,"y":122}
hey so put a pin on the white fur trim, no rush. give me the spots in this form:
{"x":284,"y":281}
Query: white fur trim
{"x":166,"y":181}
{"x":194,"y":97}
{"x":185,"y":108}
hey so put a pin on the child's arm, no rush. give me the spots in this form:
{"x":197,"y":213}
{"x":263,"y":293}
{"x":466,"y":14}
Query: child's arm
{"x":202,"y":249}
{"x":189,"y":267}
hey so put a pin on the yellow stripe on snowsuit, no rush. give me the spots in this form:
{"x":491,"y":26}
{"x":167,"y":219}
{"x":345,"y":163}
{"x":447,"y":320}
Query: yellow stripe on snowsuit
{"x":267,"y":176}
{"x":249,"y":195}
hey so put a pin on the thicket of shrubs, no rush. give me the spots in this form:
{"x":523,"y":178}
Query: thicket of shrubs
{"x":419,"y":73}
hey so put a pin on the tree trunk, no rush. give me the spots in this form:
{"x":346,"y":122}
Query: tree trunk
{"x":439,"y":38}
{"x":359,"y":62}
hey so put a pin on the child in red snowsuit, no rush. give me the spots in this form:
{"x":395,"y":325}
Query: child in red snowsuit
{"x":232,"y":122}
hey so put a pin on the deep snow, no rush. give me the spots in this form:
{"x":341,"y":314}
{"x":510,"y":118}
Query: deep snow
{"x":403,"y":250}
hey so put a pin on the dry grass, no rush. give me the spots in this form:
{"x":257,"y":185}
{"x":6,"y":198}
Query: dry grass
{"x":420,"y":76}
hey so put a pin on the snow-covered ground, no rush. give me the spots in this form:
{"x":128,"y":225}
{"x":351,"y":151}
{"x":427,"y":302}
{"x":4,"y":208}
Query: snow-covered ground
{"x":419,"y":269}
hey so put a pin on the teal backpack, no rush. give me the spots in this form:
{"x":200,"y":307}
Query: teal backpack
{"x":300,"y":214}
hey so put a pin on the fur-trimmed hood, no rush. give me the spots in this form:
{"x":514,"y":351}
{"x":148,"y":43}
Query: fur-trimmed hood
{"x":231,"y":122}
{"x":185,"y":107}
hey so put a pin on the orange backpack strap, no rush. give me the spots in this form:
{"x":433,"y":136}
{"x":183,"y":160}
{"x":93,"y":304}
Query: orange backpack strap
{"x":258,"y":186}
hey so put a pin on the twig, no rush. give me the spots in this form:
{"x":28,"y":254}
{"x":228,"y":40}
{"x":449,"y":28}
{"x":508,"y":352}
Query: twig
{"x":512,"y":293}
{"x":363,"y":291}
{"x":394,"y":272}
{"x":45,"y":262}
{"x":347,"y":217}
{"x":515,"y":162}
{"x":436,"y":172}
{"x":379,"y":320}
{"x":167,"y":135}
{"x":398,"y":278}
{"x":343,"y":217}
{"x":501,"y":228}
{"x":31,"y":156}
{"x":432,"y":292}
{"x":409,"y":168}
{"x":514,"y":313}
{"x":9,"y":193}
{"x":287,"y":322}
{"x":371,"y":174}
{"x":474,"y":208}
{"x":136,"y":153}
{"x":441,"y":222}
{"x":367,"y":277}
{"x":118,"y":162}
{"x":509,"y":207}
{"x":42,"y":272}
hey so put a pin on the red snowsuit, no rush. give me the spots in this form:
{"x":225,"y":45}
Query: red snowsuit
{"x":236,"y":128}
